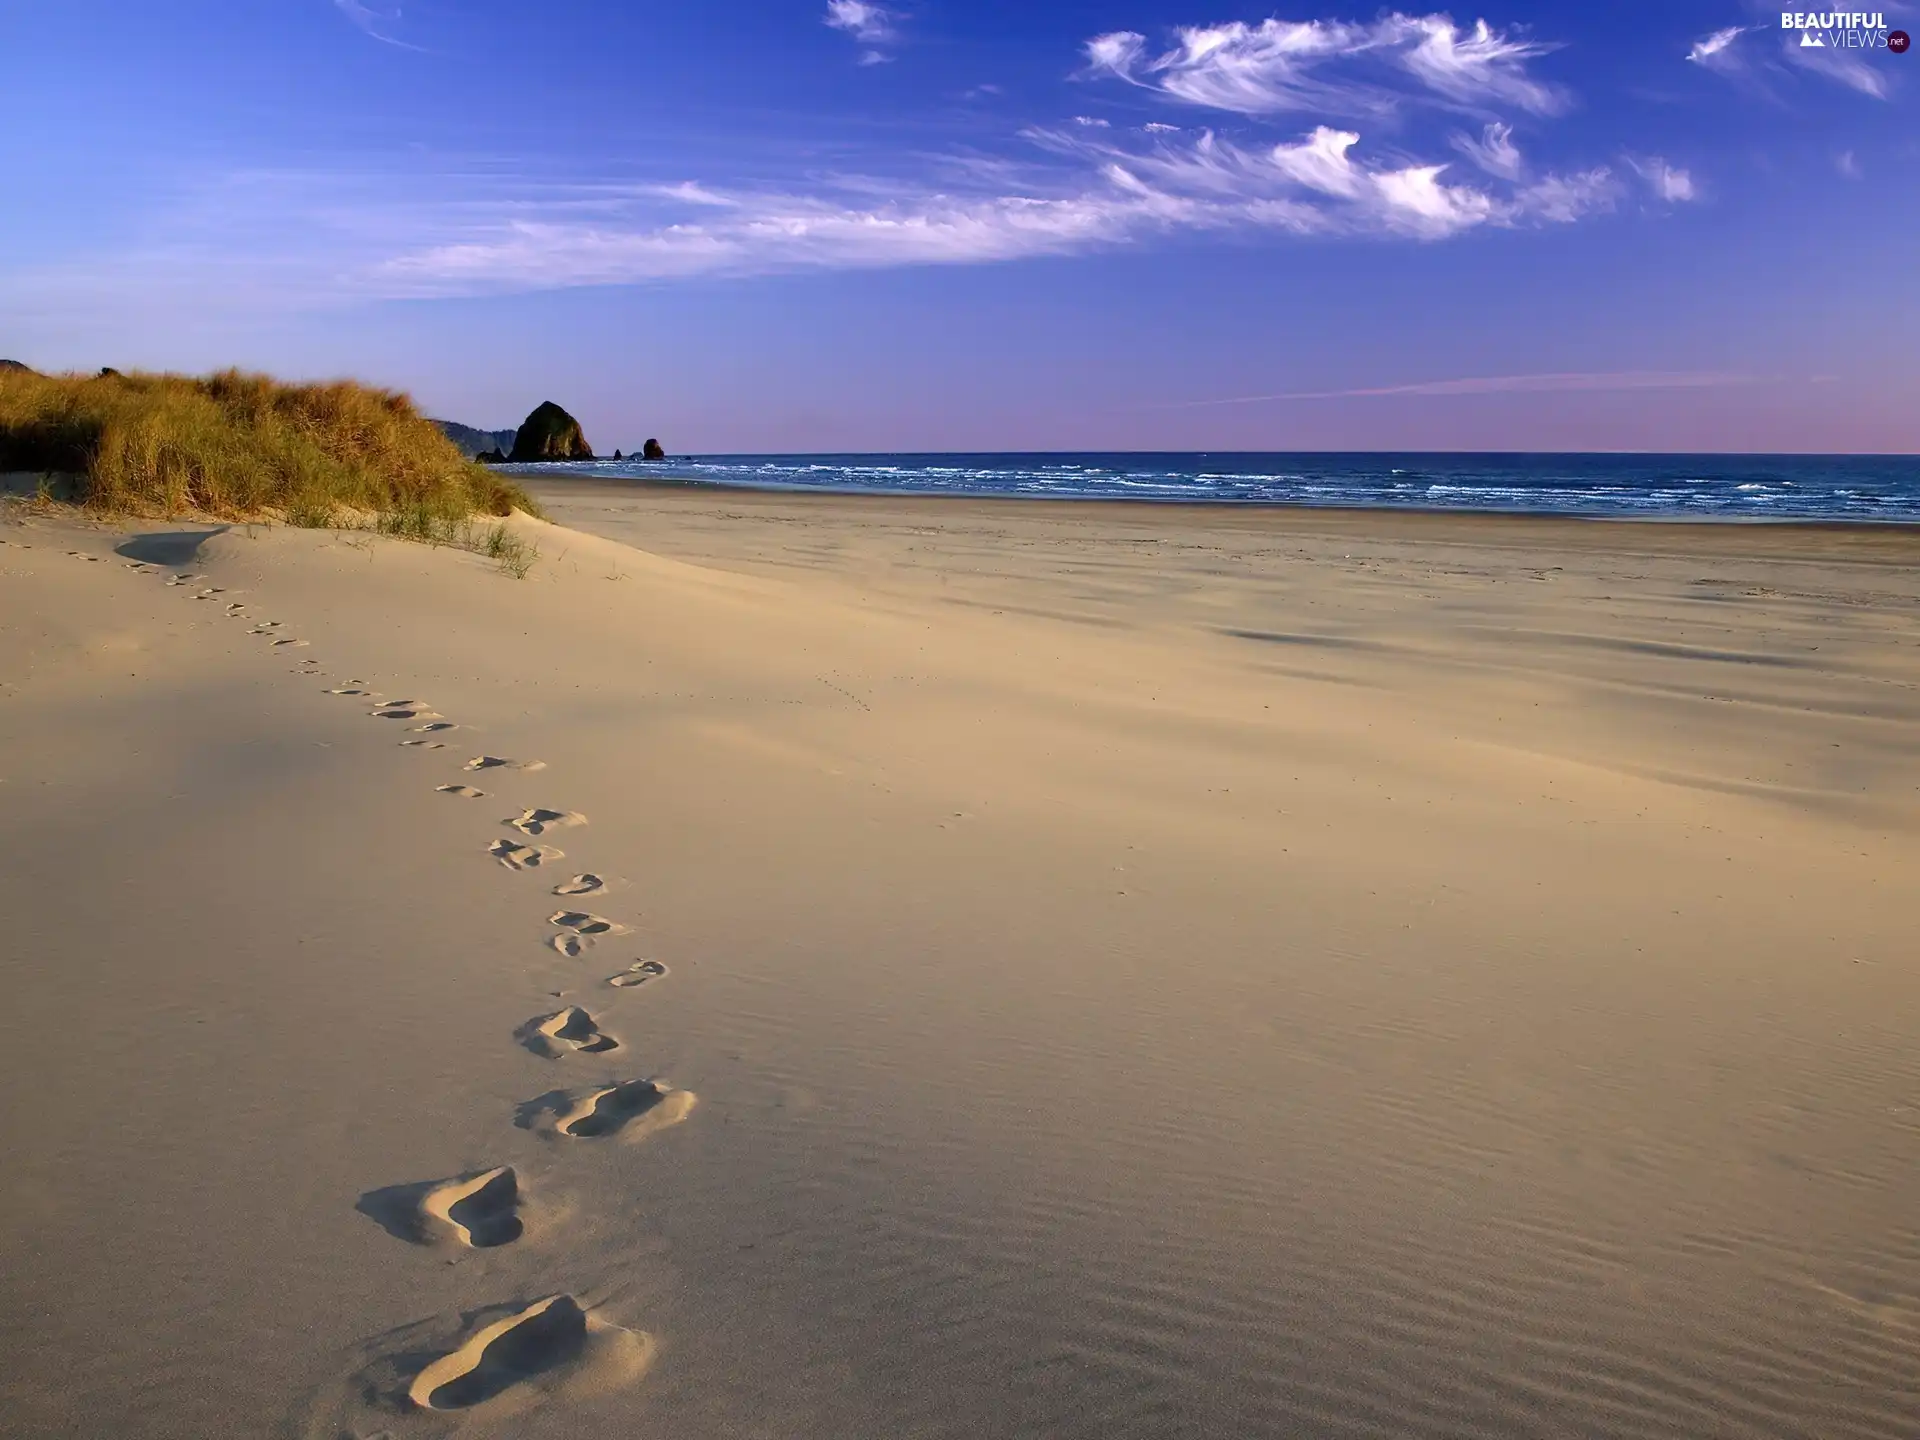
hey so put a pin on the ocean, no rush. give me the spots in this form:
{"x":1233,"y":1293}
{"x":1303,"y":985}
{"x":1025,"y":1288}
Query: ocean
{"x":1676,"y":487}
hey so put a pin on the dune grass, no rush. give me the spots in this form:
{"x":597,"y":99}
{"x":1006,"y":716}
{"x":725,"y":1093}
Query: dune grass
{"x":238,"y":446}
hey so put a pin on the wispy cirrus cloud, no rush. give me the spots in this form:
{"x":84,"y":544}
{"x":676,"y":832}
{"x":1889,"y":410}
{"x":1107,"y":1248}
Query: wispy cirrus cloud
{"x":1337,"y":67}
{"x":873,"y":26}
{"x":317,"y":239}
{"x":1321,"y":184}
{"x":1083,"y":185}
{"x":1843,"y":67}
{"x":1552,"y":383}
{"x":1716,"y":50}
{"x":1746,"y":55}
{"x":373,"y":22}
{"x":1668,"y":182}
{"x":1492,"y":150}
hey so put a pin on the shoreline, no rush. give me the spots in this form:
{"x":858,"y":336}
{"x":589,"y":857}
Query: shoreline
{"x":1900,"y":539}
{"x":1871,"y":490}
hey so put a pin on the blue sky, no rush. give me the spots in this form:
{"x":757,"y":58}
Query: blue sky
{"x":795,"y":224}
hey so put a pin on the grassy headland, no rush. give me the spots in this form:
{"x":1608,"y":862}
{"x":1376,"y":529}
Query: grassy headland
{"x":239,"y":446}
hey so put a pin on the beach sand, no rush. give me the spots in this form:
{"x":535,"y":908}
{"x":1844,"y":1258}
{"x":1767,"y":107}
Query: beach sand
{"x":1115,"y":972}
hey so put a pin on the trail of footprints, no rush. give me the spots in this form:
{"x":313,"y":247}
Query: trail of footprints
{"x":551,"y":1339}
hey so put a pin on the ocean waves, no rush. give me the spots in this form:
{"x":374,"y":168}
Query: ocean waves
{"x":1750,"y":487}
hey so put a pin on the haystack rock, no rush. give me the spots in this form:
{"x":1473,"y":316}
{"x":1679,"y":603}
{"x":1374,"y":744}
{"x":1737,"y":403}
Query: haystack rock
{"x":618,"y":456}
{"x":652,"y":451}
{"x":549,"y":433}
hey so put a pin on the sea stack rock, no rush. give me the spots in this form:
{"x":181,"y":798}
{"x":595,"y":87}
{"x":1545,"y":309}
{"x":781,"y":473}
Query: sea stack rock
{"x":618,"y":456}
{"x":491,"y":457}
{"x":652,"y":451}
{"x":549,"y":433}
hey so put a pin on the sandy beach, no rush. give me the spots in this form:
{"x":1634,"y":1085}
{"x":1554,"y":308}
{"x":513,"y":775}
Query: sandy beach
{"x":991,"y":969}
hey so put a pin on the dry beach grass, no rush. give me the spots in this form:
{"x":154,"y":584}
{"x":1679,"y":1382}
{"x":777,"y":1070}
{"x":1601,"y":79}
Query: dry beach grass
{"x":236,"y":446}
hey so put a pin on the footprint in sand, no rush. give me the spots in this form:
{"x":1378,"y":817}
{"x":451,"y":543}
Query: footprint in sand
{"x":564,"y":1033}
{"x":182,"y":579}
{"x":404,"y":710}
{"x":482,"y":1210}
{"x":288,"y":641}
{"x":588,"y":884}
{"x":638,"y":973}
{"x":479,"y":1210}
{"x":633,"y":1109}
{"x":423,"y":744}
{"x":516,"y":856}
{"x":434,"y":728}
{"x":465,"y":791}
{"x":581,"y":923}
{"x":569,"y":945}
{"x":210,"y":592}
{"x":265,"y":627}
{"x":541,"y":1347}
{"x":538,"y":822}
{"x":496,"y":762}
{"x":348,"y":690}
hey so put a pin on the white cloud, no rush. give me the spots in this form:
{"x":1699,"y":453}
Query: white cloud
{"x":318,"y":238}
{"x":1717,"y":49}
{"x":693,"y":193}
{"x":1333,"y":66}
{"x":1669,"y":182}
{"x":867,"y":23}
{"x":1475,"y":67}
{"x":1324,"y":183}
{"x":1494,"y":152}
{"x":766,"y":233}
{"x":1847,"y":164}
{"x":1765,"y":68}
{"x":1320,"y":162}
{"x":1563,"y":199}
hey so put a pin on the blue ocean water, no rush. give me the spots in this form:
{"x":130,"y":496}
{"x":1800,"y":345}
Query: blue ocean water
{"x":1718,"y":487}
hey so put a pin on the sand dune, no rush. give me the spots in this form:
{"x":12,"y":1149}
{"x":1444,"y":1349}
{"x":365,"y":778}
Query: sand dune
{"x":1145,"y":973}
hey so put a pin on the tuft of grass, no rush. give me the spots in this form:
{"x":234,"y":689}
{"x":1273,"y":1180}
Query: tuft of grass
{"x":311,"y":512}
{"x":514,"y":556}
{"x":239,"y":446}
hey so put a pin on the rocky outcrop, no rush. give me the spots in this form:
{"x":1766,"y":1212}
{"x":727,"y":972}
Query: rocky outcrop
{"x":618,"y":456}
{"x":549,"y":433}
{"x":652,"y":451}
{"x":491,"y":457}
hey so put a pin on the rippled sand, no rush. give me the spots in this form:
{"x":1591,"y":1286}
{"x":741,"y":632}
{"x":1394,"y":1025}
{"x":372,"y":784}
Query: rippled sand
{"x":1144,"y":973}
